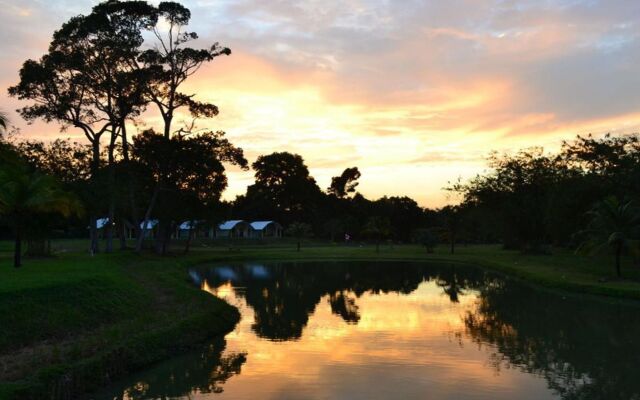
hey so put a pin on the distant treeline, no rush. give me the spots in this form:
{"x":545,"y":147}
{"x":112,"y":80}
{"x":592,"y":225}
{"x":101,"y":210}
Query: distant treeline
{"x":585,"y":192}
{"x":530,"y":199}
{"x":283,"y":190}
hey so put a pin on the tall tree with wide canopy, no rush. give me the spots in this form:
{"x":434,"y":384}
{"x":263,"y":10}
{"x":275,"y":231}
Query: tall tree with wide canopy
{"x":171,"y":62}
{"x":106,"y":44}
{"x":98,"y":74}
{"x":283,"y":187}
{"x":59,"y":93}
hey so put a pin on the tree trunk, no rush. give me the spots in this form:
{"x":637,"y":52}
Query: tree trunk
{"x":147,"y":215}
{"x":453,"y":244}
{"x":188,"y":245}
{"x":130,"y":183}
{"x":123,"y":235}
{"x":168,"y":118}
{"x":164,"y":237}
{"x":109,"y":228}
{"x":93,"y":227}
{"x":93,"y":235}
{"x":298,"y":245}
{"x":618,"y":254}
{"x":17,"y":254}
{"x":111,"y":188}
{"x":377,"y":246}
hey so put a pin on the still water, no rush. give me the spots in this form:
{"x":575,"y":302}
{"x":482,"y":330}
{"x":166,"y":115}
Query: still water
{"x":399,"y":331}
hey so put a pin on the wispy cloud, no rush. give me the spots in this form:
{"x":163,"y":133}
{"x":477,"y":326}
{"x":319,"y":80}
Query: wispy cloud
{"x":412,"y":91}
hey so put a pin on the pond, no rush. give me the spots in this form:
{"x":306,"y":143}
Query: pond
{"x":363,"y":330}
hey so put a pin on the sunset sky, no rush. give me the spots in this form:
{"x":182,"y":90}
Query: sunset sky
{"x":414,"y":93}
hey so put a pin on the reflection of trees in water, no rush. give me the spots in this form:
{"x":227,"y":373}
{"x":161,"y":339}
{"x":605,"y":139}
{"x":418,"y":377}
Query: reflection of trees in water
{"x":284,"y":300}
{"x":585,"y":349}
{"x":451,"y":284}
{"x":344,"y":304}
{"x":204,"y":372}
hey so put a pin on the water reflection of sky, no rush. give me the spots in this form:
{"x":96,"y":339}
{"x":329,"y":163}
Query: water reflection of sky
{"x":403,"y":346}
{"x":399,"y":331}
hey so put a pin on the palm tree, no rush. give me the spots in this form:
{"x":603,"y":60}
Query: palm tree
{"x":614,"y":224}
{"x":25,"y":194}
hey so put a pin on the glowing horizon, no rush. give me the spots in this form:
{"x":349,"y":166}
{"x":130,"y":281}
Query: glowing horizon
{"x":415,"y":95}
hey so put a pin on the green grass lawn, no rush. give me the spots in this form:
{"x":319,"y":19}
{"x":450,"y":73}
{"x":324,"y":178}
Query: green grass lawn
{"x":82,"y":316}
{"x":73,"y":322}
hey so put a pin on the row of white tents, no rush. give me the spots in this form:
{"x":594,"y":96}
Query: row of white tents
{"x":232,"y":229}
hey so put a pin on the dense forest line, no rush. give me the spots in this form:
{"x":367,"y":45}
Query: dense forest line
{"x":530,"y":200}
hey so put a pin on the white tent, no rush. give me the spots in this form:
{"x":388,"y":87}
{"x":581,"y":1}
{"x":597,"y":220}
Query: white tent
{"x":236,"y":228}
{"x":266,"y":229}
{"x":148,"y":230}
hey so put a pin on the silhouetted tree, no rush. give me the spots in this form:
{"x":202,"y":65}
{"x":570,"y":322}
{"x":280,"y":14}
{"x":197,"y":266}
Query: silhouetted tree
{"x":333,"y":226}
{"x":517,"y":193}
{"x":67,"y":161}
{"x":452,"y":217}
{"x":171,"y":63}
{"x":192,"y":168}
{"x":427,"y":238}
{"x":346,"y":183}
{"x":613,"y":223}
{"x":299,"y":230}
{"x":62,"y":95}
{"x":403,"y":213}
{"x":284,"y":188}
{"x":24,"y":195}
{"x":378,"y":228}
{"x":104,"y":47}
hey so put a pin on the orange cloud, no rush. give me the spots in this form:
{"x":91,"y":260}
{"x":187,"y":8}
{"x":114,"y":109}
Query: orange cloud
{"x":414,"y":95}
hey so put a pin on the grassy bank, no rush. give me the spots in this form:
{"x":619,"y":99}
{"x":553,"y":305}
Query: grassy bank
{"x":74,"y":323}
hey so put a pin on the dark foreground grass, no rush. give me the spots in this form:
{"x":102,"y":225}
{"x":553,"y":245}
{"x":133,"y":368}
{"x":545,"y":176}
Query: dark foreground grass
{"x":73,"y":323}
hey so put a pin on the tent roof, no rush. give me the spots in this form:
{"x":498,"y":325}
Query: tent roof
{"x":228,"y":225}
{"x":150,"y":224}
{"x":186,"y":225}
{"x":260,"y":225}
